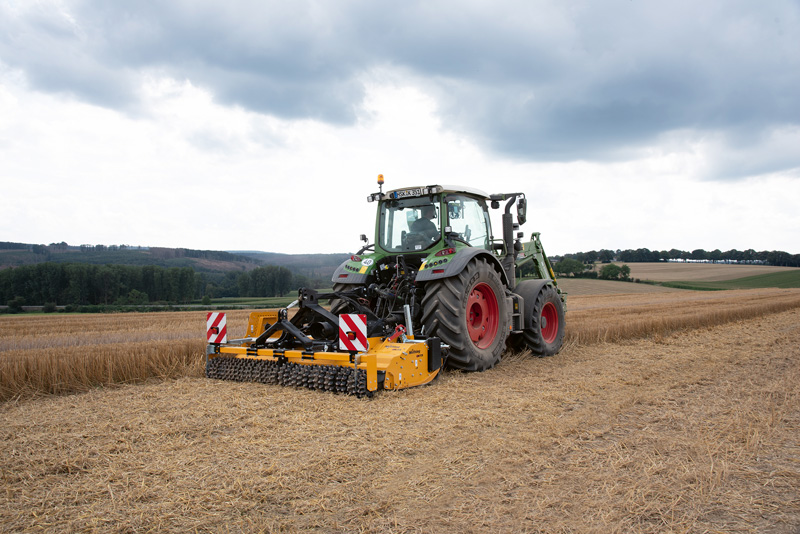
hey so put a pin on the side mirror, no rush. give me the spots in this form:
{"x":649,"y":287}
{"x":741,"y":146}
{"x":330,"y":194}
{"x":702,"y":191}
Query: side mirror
{"x":522,"y":209}
{"x":453,"y":211}
{"x":364,"y":238}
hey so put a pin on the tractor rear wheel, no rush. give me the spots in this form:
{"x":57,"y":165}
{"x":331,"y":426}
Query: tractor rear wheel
{"x":544,"y":319}
{"x":468,"y":312}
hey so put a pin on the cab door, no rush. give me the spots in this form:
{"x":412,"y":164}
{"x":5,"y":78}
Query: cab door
{"x":469,"y":218}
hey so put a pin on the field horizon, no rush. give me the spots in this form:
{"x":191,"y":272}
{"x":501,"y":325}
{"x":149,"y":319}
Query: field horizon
{"x":664,"y":277}
{"x":697,"y":272}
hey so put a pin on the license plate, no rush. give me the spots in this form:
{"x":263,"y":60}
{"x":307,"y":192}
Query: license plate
{"x":408,"y":193}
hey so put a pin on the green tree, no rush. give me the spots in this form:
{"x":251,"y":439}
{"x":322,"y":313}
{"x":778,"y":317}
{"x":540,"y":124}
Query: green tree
{"x":283,"y":281}
{"x":605,"y":255}
{"x":77,"y":290}
{"x":610,"y":272}
{"x":243,"y":284}
{"x":137,"y":297}
{"x":15,"y":305}
{"x":569,"y":267}
{"x":613,"y":271}
{"x":107,"y":283}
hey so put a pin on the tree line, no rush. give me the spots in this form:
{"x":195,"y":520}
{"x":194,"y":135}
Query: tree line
{"x":578,"y":269}
{"x":14,"y":254}
{"x":764,"y":257}
{"x":88,"y":284}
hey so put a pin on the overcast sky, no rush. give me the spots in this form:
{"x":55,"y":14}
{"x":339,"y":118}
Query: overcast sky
{"x":262,"y":125}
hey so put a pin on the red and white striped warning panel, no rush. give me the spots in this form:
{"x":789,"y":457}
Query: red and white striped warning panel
{"x":216,"y":330}
{"x":353,"y":332}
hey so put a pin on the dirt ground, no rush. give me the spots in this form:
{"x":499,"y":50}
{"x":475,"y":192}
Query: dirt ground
{"x":694,"y":432}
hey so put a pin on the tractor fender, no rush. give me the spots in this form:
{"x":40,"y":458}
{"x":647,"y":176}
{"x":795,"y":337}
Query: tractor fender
{"x":529,"y":290}
{"x":452,"y":266}
{"x":526,"y":293}
{"x":349,"y":273}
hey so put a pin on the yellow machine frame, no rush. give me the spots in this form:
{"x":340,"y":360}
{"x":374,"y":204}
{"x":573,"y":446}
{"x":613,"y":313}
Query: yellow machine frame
{"x":403,"y":363}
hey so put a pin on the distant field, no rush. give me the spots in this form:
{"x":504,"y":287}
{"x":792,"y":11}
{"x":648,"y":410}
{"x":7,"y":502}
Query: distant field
{"x":693,"y":276}
{"x":783,"y":280}
{"x":709,"y":272}
{"x":586,"y":286}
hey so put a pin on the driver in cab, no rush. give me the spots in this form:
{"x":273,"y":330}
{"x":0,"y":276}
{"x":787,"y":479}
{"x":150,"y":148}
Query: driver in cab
{"x":425,"y":225}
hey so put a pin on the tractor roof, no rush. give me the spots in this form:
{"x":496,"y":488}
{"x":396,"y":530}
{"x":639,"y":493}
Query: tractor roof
{"x":432,"y":189}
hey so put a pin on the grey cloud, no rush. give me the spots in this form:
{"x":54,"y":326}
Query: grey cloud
{"x":627,"y":82}
{"x":533,"y":80}
{"x":755,"y":153}
{"x":51,"y":50}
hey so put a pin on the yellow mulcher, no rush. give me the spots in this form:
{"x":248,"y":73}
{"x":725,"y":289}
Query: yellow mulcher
{"x":303,"y":352}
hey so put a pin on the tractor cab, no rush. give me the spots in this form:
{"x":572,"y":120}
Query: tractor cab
{"x":419,"y":219}
{"x":431,"y":232}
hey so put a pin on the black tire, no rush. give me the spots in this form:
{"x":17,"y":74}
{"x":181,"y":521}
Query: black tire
{"x":544,"y":319}
{"x":476,"y":339}
{"x":339,"y":306}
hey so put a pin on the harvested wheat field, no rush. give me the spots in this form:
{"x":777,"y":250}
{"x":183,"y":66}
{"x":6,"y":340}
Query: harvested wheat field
{"x":671,"y":424}
{"x":61,"y":354}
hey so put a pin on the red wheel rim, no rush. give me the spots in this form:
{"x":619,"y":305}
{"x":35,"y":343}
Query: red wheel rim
{"x":482,"y":320}
{"x":549,"y":322}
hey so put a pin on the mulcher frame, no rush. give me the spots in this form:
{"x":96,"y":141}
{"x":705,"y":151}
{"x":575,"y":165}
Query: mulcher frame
{"x":394,"y":362}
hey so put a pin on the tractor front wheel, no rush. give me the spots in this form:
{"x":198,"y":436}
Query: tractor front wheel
{"x":544,"y":319}
{"x":468,"y":312}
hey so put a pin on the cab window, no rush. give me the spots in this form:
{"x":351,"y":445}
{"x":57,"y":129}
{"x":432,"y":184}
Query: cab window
{"x":409,"y":225}
{"x":468,"y":218}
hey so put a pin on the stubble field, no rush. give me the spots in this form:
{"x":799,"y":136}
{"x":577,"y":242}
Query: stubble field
{"x":674,"y":411}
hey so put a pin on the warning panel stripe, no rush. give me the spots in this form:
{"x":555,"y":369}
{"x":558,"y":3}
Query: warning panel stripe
{"x":354,"y":325}
{"x":222,"y":333}
{"x":357,"y":329}
{"x":216,"y":319}
{"x":345,"y":340}
{"x":218,"y":338}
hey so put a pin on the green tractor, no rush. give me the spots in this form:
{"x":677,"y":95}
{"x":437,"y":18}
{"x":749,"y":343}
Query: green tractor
{"x":436,"y":270}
